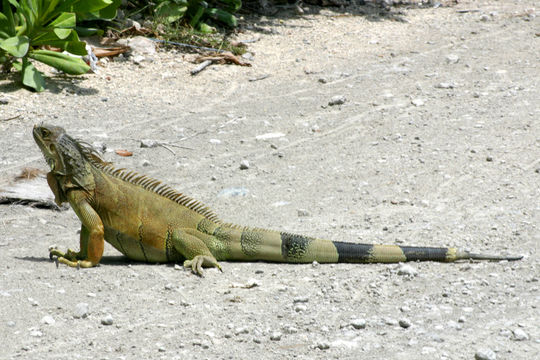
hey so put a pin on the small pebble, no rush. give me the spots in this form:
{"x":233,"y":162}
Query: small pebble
{"x":107,"y":320}
{"x":148,"y":143}
{"x":520,"y":335}
{"x":269,"y":136}
{"x":276,"y":336}
{"x":241,"y":330}
{"x":36,"y":333}
{"x":323,"y":80}
{"x":485,"y":354}
{"x":323,"y":345}
{"x":289,"y":329}
{"x":244,"y":165}
{"x":4,"y":101}
{"x":407,"y":270}
{"x":47,"y":319}
{"x":405,"y":323}
{"x":33,"y":302}
{"x":489,"y":158}
{"x":81,"y":311}
{"x":178,"y":267}
{"x":452,"y":59}
{"x":302,"y":213}
{"x":444,"y":85}
{"x":300,"y":299}
{"x":137,"y":59}
{"x":337,"y":100}
{"x":358,"y":323}
{"x":417,"y":102}
{"x":300,"y":308}
{"x":314,"y":264}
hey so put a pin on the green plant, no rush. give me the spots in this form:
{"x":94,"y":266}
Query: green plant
{"x":196,"y":12}
{"x":28,"y":25}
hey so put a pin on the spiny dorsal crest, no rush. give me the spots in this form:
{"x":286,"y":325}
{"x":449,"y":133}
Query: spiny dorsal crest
{"x":145,"y":182}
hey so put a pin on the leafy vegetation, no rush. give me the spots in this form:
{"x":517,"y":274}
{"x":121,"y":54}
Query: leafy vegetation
{"x":196,"y":13}
{"x":27,"y":26}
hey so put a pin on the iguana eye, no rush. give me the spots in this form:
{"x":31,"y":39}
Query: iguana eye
{"x":45,"y":132}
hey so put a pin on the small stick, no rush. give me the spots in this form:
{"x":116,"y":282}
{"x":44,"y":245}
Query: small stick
{"x":11,"y":118}
{"x":201,"y":67}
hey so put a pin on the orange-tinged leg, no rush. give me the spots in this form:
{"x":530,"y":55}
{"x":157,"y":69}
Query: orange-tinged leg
{"x":92,"y":236}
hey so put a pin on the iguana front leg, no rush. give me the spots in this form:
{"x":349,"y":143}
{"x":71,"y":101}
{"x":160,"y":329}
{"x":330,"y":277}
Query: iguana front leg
{"x":91,"y":239}
{"x":194,"y":250}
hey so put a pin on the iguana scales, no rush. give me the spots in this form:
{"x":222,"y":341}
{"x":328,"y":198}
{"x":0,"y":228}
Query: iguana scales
{"x":149,"y":221}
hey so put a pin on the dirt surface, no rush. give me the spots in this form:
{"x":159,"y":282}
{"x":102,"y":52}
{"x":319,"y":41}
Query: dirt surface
{"x":436,"y":144}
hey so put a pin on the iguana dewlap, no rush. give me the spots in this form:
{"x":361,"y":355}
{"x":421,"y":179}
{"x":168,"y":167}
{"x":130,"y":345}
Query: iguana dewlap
{"x":149,"y":221}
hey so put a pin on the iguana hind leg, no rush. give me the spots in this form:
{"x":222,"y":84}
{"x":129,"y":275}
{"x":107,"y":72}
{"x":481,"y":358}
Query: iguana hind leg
{"x":190,"y":244}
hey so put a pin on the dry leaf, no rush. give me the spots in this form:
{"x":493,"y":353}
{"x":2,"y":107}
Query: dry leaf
{"x":122,"y":152}
{"x":112,"y":51}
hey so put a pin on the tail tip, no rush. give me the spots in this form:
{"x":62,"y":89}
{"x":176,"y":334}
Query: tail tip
{"x":473,"y":256}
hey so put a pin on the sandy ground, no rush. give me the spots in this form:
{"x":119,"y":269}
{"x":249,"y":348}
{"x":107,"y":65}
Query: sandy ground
{"x":436,"y":144}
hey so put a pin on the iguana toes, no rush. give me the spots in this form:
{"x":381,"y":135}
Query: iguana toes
{"x":149,"y":221}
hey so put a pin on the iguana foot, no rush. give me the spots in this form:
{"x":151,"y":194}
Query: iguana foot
{"x":70,"y":258}
{"x":196,"y":264}
{"x":70,"y":255}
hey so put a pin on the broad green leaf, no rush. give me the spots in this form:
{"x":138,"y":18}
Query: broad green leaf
{"x":62,"y":33}
{"x":16,"y":45}
{"x":71,"y":43}
{"x":170,"y":12}
{"x":31,"y":77}
{"x":83,"y":6}
{"x":106,"y":13}
{"x":222,"y":16}
{"x":68,"y":64}
{"x":64,"y":20}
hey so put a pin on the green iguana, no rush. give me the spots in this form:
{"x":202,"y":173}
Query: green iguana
{"x":149,"y":221}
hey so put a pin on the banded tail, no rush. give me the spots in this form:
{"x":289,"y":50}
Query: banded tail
{"x":267,"y":245}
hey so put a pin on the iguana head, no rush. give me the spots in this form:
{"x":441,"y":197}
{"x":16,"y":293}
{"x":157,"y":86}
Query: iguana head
{"x":67,"y":157}
{"x":48,"y":138}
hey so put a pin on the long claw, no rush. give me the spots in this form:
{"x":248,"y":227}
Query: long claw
{"x":198,"y":262}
